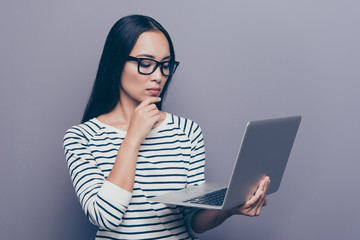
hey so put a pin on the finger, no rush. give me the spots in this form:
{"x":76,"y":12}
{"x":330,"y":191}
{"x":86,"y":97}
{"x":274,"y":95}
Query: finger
{"x":265,"y":202}
{"x":253,"y":206}
{"x":268,"y":184}
{"x":266,"y":189}
{"x":262,"y":198}
{"x":260,"y":204}
{"x":259,"y":187}
{"x":154,"y":115}
{"x":252,"y":202}
{"x":149,"y":101}
{"x":149,"y":108}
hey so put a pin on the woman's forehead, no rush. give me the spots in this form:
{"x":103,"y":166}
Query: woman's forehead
{"x":152,"y":43}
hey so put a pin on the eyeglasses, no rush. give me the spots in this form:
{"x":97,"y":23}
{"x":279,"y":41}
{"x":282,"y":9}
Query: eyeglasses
{"x":147,"y":66}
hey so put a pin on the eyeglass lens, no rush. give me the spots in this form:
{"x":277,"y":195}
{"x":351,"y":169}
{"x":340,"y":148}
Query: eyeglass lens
{"x":147,"y":66}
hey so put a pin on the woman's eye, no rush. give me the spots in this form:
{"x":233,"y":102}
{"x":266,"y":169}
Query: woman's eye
{"x":166,"y":66}
{"x":145,"y":64}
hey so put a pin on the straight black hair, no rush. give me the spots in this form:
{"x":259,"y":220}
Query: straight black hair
{"x":118,"y":45}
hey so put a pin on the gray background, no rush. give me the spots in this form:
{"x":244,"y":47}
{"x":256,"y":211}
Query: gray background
{"x":240,"y":61}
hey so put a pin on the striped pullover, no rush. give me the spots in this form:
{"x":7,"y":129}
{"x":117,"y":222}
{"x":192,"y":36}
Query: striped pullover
{"x":171,"y":157}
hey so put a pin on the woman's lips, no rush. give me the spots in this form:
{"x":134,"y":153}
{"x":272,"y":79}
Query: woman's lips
{"x":154,"y":91}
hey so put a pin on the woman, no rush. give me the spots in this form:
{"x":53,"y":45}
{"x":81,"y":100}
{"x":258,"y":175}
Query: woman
{"x":127,"y":150}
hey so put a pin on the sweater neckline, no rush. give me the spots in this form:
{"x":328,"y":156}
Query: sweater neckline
{"x":121,"y":131}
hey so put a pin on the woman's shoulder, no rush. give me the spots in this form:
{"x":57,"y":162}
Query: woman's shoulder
{"x":186,"y":125}
{"x":84,"y":130}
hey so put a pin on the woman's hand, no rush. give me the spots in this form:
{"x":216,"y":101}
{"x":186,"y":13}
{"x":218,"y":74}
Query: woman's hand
{"x":205,"y":219}
{"x":254,"y":205}
{"x":143,"y":119}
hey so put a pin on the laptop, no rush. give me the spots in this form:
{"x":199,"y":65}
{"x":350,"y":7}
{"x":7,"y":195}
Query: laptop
{"x":264,"y":151}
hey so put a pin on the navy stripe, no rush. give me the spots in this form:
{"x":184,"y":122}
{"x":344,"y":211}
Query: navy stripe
{"x":152,"y":224}
{"x":202,"y":159}
{"x":196,"y":174}
{"x":196,"y":138}
{"x":160,"y":175}
{"x":88,"y":199}
{"x":196,"y":181}
{"x":116,"y":217}
{"x":196,"y":129}
{"x":85,"y":169}
{"x":162,"y":143}
{"x":163,"y":149}
{"x":71,"y":137}
{"x":81,"y":164}
{"x":168,"y":130}
{"x":197,"y":148}
{"x":85,"y":130}
{"x":102,"y":157}
{"x":77,"y":133}
{"x":191,"y":126}
{"x":69,"y":144}
{"x":86,"y":175}
{"x":96,"y":124}
{"x":165,"y":182}
{"x":104,"y":145}
{"x":117,"y":209}
{"x":145,"y":232}
{"x":93,"y":186}
{"x":185,"y":124}
{"x":108,"y":237}
{"x":88,"y":125}
{"x":103,"y":151}
{"x":165,"y":155}
{"x":161,"y":162}
{"x":193,"y":169}
{"x":201,"y":153}
{"x":167,"y":136}
{"x":160,"y":168}
{"x":106,"y":138}
{"x":160,"y":190}
{"x":148,"y":217}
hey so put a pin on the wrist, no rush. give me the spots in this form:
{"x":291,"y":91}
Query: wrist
{"x":230,"y":212}
{"x":132,"y":141}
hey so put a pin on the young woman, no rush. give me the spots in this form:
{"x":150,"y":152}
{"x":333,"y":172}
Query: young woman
{"x":126,"y":150}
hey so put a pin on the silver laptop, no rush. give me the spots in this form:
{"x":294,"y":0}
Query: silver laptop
{"x":264,"y":151}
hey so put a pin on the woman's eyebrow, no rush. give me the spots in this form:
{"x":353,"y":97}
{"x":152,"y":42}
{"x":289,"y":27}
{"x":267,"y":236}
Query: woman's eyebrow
{"x":152,"y":57}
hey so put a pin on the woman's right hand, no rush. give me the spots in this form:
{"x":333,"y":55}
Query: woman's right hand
{"x":143,"y":119}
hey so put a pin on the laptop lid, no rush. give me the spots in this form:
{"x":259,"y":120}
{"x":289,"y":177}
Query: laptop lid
{"x":264,"y":151}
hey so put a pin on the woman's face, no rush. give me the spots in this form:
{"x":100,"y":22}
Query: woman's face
{"x":137,"y":87}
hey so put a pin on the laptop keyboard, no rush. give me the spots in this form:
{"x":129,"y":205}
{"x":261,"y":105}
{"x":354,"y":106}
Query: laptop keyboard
{"x":214,"y":198}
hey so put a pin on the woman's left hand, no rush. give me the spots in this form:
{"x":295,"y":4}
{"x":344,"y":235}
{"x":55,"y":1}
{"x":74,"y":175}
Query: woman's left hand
{"x":254,"y":205}
{"x":205,"y":219}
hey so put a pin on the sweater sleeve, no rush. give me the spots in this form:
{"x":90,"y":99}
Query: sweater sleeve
{"x":196,"y":173}
{"x":103,"y":202}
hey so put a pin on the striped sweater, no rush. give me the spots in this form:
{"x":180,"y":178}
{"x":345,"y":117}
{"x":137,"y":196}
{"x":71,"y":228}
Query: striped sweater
{"x":171,"y":157}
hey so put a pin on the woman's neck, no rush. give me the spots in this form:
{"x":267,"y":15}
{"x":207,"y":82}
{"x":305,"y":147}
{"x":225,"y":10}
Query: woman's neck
{"x":120,"y":116}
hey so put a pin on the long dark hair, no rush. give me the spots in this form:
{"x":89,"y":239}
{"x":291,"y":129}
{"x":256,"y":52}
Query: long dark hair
{"x":119,"y":43}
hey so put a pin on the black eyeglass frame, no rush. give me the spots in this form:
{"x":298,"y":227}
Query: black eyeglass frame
{"x":161,"y":64}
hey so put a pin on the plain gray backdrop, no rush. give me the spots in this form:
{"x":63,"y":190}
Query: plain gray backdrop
{"x":240,"y":61}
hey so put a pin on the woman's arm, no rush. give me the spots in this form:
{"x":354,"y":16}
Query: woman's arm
{"x":206,"y":219}
{"x":145,"y":116}
{"x":104,"y":201}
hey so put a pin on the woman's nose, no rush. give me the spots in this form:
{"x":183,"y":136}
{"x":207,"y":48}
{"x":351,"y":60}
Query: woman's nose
{"x":157,"y":75}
